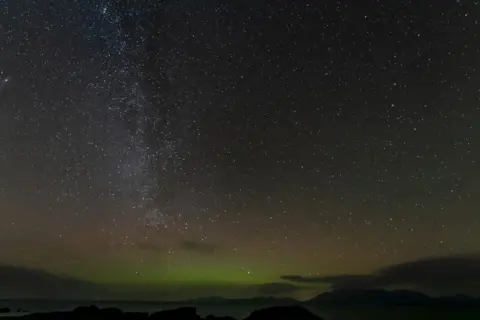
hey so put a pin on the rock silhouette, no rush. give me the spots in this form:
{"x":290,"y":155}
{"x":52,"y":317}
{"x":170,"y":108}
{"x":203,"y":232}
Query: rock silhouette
{"x":186,"y":313}
{"x":4,"y":310}
{"x":135,"y":315}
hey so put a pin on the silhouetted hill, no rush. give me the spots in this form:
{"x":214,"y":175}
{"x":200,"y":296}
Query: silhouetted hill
{"x":186,"y":313}
{"x":390,"y":298}
{"x":4,"y":310}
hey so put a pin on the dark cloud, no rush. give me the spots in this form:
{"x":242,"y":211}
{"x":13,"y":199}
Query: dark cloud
{"x":198,"y":247}
{"x":443,"y":274}
{"x":337,"y":281}
{"x":23,"y":282}
{"x":276,"y":288}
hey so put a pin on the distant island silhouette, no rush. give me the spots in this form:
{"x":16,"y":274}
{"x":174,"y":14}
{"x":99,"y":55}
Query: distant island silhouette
{"x":391,"y":298}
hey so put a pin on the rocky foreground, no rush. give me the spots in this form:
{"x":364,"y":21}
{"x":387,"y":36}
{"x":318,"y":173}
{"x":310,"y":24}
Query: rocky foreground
{"x":187,"y":313}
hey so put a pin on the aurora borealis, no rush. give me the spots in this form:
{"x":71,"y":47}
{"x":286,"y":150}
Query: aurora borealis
{"x":175,"y":149}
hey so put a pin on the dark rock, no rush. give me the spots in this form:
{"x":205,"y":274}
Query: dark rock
{"x":111,"y":313}
{"x":4,"y":310}
{"x":187,"y":313}
{"x":135,"y":315}
{"x":283,"y":313}
{"x":94,"y":313}
{"x":86,"y":310}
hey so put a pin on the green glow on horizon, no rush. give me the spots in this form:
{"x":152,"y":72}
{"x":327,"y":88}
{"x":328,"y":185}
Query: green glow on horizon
{"x":204,"y":270}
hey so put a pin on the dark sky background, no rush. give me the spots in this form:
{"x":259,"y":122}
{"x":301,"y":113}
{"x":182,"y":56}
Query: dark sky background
{"x":174,"y":149}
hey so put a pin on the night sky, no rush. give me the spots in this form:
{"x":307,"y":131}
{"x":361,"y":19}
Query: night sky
{"x":175,"y":149}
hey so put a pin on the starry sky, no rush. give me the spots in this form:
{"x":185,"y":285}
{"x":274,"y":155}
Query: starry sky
{"x":175,"y":149}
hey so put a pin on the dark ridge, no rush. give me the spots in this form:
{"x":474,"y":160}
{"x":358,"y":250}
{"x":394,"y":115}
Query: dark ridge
{"x":186,"y":313}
